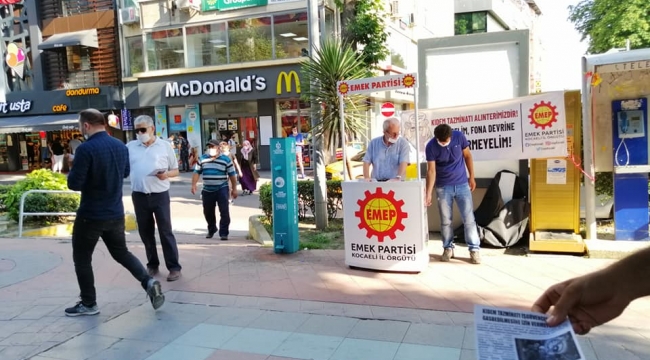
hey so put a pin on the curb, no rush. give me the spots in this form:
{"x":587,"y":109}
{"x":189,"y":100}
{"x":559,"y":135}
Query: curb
{"x":258,"y":232}
{"x":65,"y":230}
{"x":612,"y":249}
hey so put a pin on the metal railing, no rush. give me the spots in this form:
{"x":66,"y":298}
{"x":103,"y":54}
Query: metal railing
{"x":22,"y":212}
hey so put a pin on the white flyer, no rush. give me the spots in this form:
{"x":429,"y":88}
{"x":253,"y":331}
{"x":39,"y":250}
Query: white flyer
{"x":507,"y":334}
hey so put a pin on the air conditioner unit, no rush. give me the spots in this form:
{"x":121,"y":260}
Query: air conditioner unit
{"x":394,"y":9}
{"x":129,"y":16}
{"x":188,"y":4}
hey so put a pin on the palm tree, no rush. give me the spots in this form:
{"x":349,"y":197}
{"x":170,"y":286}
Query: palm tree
{"x":333,"y":62}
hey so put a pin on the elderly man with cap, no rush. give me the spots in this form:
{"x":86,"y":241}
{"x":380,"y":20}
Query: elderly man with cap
{"x":388,"y":154}
{"x":216,"y":169}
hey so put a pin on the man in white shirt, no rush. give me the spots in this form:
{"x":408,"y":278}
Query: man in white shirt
{"x":153,"y":162}
{"x":73,"y":144}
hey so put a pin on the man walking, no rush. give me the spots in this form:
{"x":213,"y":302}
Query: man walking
{"x":73,"y":144}
{"x":448,"y":156}
{"x":153,"y":162}
{"x":388,"y":154}
{"x":184,"y":149}
{"x":101,"y":165}
{"x":217,"y":169}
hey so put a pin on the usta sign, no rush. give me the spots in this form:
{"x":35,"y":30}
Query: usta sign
{"x":16,"y":106}
{"x":231,"y":86}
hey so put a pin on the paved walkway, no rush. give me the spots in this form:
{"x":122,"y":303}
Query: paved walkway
{"x":237,"y":300}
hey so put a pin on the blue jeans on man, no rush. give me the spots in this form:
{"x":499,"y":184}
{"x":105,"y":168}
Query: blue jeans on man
{"x":463,"y":196}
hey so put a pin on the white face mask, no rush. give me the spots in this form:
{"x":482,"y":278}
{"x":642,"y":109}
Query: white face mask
{"x":393,"y":140}
{"x":444,"y":145}
{"x":144,"y":138}
{"x":212,"y":152}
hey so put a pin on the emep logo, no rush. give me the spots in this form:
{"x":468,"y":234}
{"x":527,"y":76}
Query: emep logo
{"x":543,"y":115}
{"x":381,"y":214}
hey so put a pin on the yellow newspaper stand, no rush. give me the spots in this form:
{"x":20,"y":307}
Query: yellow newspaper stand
{"x":555,"y":191}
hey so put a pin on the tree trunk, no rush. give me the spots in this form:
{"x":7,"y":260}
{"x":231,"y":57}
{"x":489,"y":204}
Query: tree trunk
{"x":347,"y":16}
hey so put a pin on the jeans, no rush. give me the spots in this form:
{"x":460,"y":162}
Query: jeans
{"x":146,"y":207}
{"x":185,"y":162}
{"x":85,"y":235}
{"x":463,"y":196}
{"x":212,"y":199}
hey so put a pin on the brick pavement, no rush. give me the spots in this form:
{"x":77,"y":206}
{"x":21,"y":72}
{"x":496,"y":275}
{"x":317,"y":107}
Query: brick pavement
{"x":242,"y":275}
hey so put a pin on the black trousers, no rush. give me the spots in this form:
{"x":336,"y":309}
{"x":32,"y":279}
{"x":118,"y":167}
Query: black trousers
{"x":185,"y":162}
{"x":148,"y":206}
{"x":85,"y":235}
{"x":212,"y":199}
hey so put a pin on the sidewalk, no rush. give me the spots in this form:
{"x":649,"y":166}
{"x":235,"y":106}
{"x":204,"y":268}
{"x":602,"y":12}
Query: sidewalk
{"x":237,"y":300}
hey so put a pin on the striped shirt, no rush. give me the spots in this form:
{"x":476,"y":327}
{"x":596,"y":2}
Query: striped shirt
{"x":215,"y":171}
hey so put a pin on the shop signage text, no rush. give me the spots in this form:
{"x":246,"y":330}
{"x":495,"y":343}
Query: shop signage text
{"x":60,"y":108}
{"x":285,"y":78}
{"x":238,"y":4}
{"x":230,"y":86}
{"x":82,"y":92}
{"x":16,"y":106}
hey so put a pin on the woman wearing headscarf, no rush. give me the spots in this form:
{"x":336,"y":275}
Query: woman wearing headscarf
{"x":247,"y":158}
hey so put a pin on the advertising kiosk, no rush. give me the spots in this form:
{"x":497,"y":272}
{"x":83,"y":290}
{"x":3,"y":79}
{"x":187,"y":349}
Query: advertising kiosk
{"x":385,"y":223}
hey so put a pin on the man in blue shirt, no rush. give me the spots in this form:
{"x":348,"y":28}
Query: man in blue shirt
{"x":300,"y":142}
{"x":100,"y":166}
{"x":448,"y":156}
{"x":388,"y":154}
{"x":217,"y":169}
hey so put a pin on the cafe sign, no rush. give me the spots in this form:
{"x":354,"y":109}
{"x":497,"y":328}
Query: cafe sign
{"x":224,"y":5}
{"x":21,"y":106}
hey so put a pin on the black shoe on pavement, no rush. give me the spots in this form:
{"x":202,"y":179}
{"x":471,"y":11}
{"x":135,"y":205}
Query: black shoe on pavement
{"x":154,"y":291}
{"x":82,"y":310}
{"x":224,"y":238}
{"x":210,"y":234}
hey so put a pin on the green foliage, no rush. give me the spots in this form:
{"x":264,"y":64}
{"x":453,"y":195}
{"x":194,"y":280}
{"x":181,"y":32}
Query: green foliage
{"x":333,"y":62}
{"x":397,"y":60}
{"x":461,"y":26}
{"x":305,"y":199}
{"x":249,"y":43}
{"x":40,"y":180}
{"x":605,"y":184}
{"x":364,"y":25}
{"x":609,"y":23}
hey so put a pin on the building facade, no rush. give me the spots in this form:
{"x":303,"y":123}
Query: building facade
{"x":214,"y":69}
{"x":59,"y":57}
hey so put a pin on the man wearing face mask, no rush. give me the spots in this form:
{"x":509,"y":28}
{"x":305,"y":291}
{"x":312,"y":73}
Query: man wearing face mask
{"x":448,"y":156}
{"x":388,"y":154}
{"x":100,"y":166}
{"x":217,"y":169}
{"x":153,"y":162}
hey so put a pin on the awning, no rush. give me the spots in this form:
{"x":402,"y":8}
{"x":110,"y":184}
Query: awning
{"x":84,"y":38}
{"x":22,"y":124}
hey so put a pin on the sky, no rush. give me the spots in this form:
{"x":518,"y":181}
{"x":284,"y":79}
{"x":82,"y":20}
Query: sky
{"x":561,"y":64}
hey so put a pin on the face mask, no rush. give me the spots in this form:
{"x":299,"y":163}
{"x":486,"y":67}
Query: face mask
{"x":393,"y":140}
{"x":443,"y":145}
{"x":144,"y":138}
{"x":212,"y":152}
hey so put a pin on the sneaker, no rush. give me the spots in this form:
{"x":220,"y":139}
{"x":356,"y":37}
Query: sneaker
{"x":81,"y":310}
{"x":224,"y":238}
{"x":154,"y":290}
{"x":447,"y":255}
{"x":474,"y":257}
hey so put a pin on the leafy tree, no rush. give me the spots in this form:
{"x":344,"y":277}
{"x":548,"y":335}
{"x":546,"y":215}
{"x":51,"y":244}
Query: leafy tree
{"x":333,"y":62}
{"x":609,"y":23}
{"x":249,"y":43}
{"x":364,"y":28}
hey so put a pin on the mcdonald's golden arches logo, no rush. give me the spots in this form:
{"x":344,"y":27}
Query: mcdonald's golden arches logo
{"x":287,"y":79}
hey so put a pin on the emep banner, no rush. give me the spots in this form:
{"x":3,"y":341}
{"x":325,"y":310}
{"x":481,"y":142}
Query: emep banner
{"x":522,"y":128}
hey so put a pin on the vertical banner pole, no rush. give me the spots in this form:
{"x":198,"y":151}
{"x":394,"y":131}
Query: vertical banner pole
{"x":417,"y":132}
{"x":343,"y":137}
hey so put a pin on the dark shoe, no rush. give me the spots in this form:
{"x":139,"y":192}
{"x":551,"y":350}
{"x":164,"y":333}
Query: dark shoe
{"x":224,"y":238}
{"x":174,"y":275}
{"x":475,"y":257}
{"x":154,"y":291}
{"x":210,"y":234}
{"x":447,"y":255}
{"x":152,"y":271}
{"x":81,"y":310}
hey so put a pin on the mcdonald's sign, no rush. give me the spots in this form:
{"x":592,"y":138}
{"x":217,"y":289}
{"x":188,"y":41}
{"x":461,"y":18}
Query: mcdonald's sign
{"x":285,"y":78}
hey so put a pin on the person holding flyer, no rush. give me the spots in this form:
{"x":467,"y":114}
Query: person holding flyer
{"x":597,"y":298}
{"x":448,"y":156}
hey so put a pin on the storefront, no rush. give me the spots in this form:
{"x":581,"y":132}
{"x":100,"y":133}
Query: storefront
{"x":29,"y":121}
{"x":254,"y":104}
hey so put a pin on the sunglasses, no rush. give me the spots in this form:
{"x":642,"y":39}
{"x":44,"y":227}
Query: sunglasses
{"x":141,"y":130}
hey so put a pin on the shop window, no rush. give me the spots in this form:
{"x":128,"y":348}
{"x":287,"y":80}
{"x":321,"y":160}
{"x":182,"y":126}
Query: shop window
{"x":470,"y":23}
{"x":207,"y":45}
{"x":135,"y":54}
{"x":291,"y":35}
{"x":296,"y":113}
{"x":250,"y":40}
{"x":165,"y":49}
{"x":80,"y":72}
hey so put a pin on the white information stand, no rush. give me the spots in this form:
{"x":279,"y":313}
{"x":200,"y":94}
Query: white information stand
{"x":385,"y":223}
